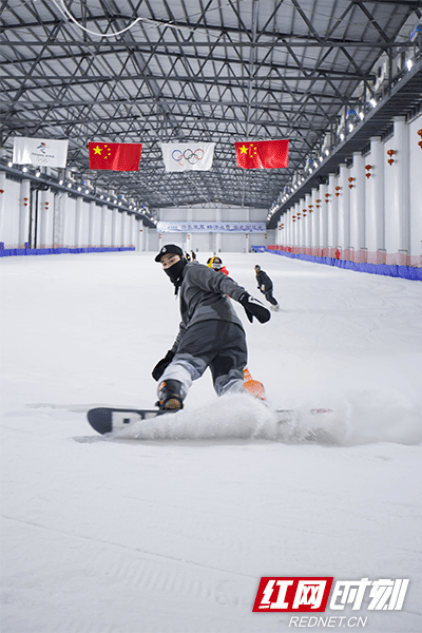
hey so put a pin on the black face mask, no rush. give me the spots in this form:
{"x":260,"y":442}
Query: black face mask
{"x":175,"y":272}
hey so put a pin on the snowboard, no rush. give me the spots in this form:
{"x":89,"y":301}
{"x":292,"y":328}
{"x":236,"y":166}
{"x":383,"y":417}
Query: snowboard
{"x":106,"y":420}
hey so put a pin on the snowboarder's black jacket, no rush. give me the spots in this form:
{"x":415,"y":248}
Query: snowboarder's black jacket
{"x":263,"y":280}
{"x":203,"y":297}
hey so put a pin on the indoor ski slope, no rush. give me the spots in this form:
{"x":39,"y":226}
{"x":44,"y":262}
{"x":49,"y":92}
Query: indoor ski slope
{"x":172,"y":535}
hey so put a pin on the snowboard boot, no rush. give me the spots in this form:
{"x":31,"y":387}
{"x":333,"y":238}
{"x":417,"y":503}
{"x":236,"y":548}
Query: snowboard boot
{"x":169,"y":396}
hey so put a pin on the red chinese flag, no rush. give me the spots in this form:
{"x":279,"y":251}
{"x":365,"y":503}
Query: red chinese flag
{"x":115,"y":156}
{"x":262,"y":154}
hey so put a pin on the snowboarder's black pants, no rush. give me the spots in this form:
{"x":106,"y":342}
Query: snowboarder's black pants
{"x":219,"y":345}
{"x":268,"y":294}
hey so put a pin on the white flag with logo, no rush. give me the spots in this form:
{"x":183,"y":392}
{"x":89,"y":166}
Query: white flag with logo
{"x":188,"y":156}
{"x":43,"y":152}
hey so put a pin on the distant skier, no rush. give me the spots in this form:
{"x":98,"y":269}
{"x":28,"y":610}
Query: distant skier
{"x":210,"y":333}
{"x":217,"y":264}
{"x":265,"y":285}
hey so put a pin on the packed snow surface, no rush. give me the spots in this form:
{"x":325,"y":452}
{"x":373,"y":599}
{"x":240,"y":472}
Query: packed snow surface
{"x":172,"y":532}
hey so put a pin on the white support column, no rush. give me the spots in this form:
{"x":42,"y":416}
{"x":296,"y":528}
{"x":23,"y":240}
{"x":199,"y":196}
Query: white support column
{"x":140,"y":235}
{"x":24,"y":212}
{"x":2,"y":201}
{"x":333,"y":239}
{"x":306,"y":223}
{"x":402,"y":163}
{"x":122,"y":228}
{"x":288,"y":228}
{"x":300,"y":227}
{"x":92,"y":217}
{"x":103,"y":230}
{"x":415,"y":152}
{"x":125,"y":230}
{"x":78,"y":223}
{"x":187,"y":246}
{"x":122,"y":241}
{"x":161,"y":240}
{"x":59,"y":203}
{"x":247,"y":235}
{"x":217,"y":236}
{"x":344,"y":211}
{"x":296,"y":226}
{"x":323,"y":215}
{"x":375,"y":225}
{"x":34,"y":216}
{"x":292,"y":226}
{"x":115,"y":228}
{"x":315,"y":221}
{"x":46,"y":220}
{"x":279,"y":234}
{"x":147,"y":242}
{"x":132,"y":229}
{"x":65,"y":222}
{"x":357,"y":207}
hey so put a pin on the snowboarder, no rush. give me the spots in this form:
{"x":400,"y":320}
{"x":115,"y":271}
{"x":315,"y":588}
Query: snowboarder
{"x":210,"y":333}
{"x":265,"y":285}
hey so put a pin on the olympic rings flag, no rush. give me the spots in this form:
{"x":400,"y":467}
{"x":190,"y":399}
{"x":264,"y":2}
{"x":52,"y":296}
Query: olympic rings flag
{"x":191,"y":156}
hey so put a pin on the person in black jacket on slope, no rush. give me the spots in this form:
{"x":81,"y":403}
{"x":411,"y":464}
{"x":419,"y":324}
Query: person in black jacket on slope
{"x":210,"y":333}
{"x":265,"y":285}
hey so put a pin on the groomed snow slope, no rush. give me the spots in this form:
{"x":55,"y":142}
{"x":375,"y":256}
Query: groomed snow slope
{"x":172,"y":535}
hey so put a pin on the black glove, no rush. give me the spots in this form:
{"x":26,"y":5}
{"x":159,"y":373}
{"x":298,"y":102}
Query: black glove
{"x":162,"y":365}
{"x":254,"y":308}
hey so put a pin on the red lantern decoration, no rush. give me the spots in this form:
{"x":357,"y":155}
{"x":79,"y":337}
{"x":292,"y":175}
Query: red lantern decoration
{"x":391,"y":153}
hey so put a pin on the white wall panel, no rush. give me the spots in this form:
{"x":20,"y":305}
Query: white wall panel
{"x":69,"y":222}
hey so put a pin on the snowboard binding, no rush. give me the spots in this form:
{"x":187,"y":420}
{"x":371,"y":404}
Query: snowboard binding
{"x":169,"y":396}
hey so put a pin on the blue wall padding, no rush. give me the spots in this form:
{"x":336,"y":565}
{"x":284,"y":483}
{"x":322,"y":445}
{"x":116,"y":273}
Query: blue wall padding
{"x":9,"y":252}
{"x":406,"y":272}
